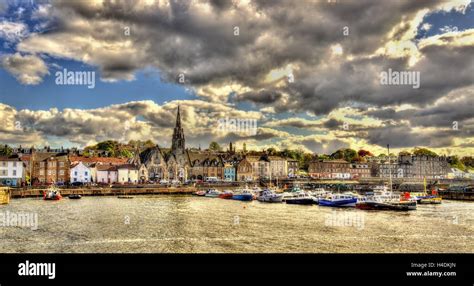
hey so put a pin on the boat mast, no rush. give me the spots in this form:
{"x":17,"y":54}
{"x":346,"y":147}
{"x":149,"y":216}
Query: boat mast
{"x":389,"y":167}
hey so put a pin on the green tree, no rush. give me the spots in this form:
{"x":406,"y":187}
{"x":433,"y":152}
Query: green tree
{"x":214,"y":146}
{"x":347,"y":154}
{"x":423,"y":151}
{"x":271,"y":151}
{"x":6,"y":150}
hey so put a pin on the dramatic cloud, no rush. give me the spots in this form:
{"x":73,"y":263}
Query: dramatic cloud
{"x":320,"y":59}
{"x":28,"y":69}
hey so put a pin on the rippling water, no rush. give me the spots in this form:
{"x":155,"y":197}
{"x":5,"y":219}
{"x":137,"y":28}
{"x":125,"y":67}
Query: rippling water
{"x":196,"y":224}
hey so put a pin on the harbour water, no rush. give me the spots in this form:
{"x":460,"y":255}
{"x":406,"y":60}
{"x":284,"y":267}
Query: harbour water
{"x":174,"y":223}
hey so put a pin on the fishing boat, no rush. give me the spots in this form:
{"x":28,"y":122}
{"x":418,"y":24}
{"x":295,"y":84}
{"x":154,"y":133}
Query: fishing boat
{"x":268,"y":196}
{"x":52,"y":194}
{"x":74,"y":196}
{"x":382,"y":199}
{"x":4,"y":196}
{"x":425,"y":198}
{"x":319,"y":194}
{"x":338,"y":200}
{"x":226,"y":195}
{"x":244,"y":195}
{"x":212,"y":193}
{"x":380,"y":203}
{"x":430,"y":200}
{"x":295,"y":190}
{"x":301,"y":198}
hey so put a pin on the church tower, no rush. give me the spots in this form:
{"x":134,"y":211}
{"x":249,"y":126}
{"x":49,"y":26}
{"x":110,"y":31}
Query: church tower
{"x":177,"y":145}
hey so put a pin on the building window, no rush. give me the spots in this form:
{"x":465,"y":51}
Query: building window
{"x":49,"y":172}
{"x":14,"y":172}
{"x":61,"y":164}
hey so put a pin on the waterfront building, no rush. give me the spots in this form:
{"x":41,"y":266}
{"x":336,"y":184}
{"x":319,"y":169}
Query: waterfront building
{"x":127,"y":174}
{"x":50,"y":167}
{"x":278,"y":167}
{"x":359,"y":170}
{"x":423,"y":166}
{"x":329,"y":169}
{"x":293,"y":168}
{"x":455,"y":173}
{"x":107,"y":174}
{"x":260,"y":167}
{"x":12,"y":171}
{"x":80,"y":173}
{"x":229,"y":172}
{"x":244,"y":170}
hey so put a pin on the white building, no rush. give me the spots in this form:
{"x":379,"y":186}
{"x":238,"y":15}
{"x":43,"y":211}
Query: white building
{"x":80,"y":173}
{"x":12,"y":171}
{"x":455,"y":173}
{"x":127,"y":174}
{"x":278,"y":167}
{"x":106,"y":174}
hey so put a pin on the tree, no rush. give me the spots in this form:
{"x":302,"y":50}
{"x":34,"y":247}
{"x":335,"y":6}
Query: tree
{"x":404,"y":153}
{"x":423,"y":151}
{"x":364,"y":153}
{"x":214,"y":146}
{"x":6,"y":150}
{"x":347,"y":154}
{"x":271,"y":151}
{"x":456,"y":163}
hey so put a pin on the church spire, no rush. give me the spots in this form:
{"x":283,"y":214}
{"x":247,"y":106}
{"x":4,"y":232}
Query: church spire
{"x":177,"y":145}
{"x":178,"y":119}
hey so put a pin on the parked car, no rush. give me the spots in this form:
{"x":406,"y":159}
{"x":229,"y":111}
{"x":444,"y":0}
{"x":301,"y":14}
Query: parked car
{"x":164,"y":182}
{"x":77,"y":184}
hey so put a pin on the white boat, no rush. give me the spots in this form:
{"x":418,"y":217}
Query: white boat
{"x":338,"y":200}
{"x":301,"y":198}
{"x":268,"y":196}
{"x":212,"y":193}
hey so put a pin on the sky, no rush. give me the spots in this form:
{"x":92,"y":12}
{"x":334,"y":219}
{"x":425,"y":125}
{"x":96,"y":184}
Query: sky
{"x":308,"y":72}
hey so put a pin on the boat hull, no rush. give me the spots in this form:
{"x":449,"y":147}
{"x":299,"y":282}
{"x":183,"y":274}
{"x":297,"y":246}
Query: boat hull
{"x":225,"y":196}
{"x":243,"y":197}
{"x":402,"y":206}
{"x":303,"y":201}
{"x":270,"y":199}
{"x":338,"y":203}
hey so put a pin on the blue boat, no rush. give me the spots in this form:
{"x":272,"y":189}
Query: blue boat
{"x":245,"y":195}
{"x":338,"y":201}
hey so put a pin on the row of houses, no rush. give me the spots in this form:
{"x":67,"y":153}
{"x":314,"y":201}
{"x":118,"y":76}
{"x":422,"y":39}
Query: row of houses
{"x":150,"y":165}
{"x":404,"y":166}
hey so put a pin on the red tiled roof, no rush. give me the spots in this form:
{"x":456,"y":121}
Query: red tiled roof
{"x":104,"y":160}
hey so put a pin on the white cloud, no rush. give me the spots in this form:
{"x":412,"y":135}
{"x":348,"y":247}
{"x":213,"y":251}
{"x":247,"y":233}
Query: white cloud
{"x":28,"y":69}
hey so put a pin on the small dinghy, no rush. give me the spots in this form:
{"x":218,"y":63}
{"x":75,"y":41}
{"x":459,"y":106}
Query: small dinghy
{"x":125,"y":197}
{"x":74,"y":197}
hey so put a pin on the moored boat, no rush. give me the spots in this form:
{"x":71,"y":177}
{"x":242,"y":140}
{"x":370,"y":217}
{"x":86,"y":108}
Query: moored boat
{"x":244,"y":195}
{"x":226,"y":195}
{"x":338,"y":200}
{"x":4,"y":196}
{"x":125,"y":197}
{"x":74,"y":196}
{"x":301,"y":198}
{"x":200,"y":193}
{"x":212,"y":193}
{"x":430,"y":200}
{"x":52,"y":194}
{"x":268,"y":196}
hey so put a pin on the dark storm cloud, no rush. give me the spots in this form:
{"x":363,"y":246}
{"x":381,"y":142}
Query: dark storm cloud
{"x":402,"y":136}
